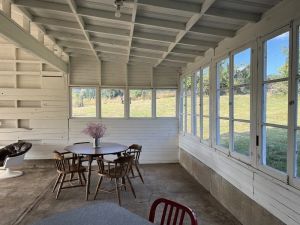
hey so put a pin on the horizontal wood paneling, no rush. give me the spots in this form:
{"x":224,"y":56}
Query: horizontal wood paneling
{"x":165,"y":76}
{"x":280,"y":199}
{"x":85,"y":70}
{"x":113,"y":73}
{"x":139,"y":75}
{"x":159,"y":137}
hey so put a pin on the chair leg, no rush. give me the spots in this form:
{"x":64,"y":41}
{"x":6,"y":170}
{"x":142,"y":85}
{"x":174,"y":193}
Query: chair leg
{"x":60,"y":185}
{"x":83,"y":175}
{"x":117,"y":190}
{"x":138,"y":170}
{"x":131,"y":169}
{"x":80,"y":179}
{"x":98,"y":186}
{"x":131,"y":187}
{"x":56,"y":182}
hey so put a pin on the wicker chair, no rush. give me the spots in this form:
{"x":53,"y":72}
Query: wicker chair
{"x":116,"y":170}
{"x":135,"y":151}
{"x":67,"y":165}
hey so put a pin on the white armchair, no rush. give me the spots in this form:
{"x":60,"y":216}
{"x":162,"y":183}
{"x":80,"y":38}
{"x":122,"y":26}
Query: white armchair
{"x":10,"y":156}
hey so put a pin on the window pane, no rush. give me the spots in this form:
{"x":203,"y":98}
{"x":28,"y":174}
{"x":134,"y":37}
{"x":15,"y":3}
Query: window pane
{"x":166,"y":103}
{"x":205,"y":91}
{"x":198,"y":126}
{"x":188,"y":85}
{"x":83,"y":102}
{"x":140,"y":103}
{"x":112,"y":103}
{"x":223,"y":73}
{"x":242,"y":62}
{"x":189,"y":124}
{"x":205,"y":128}
{"x":276,"y":101}
{"x":223,"y":139}
{"x":276,"y":148}
{"x":189,"y":104}
{"x":224,"y":103}
{"x":298,"y":154}
{"x":277,"y":57}
{"x":241,"y":103}
{"x":241,"y":137}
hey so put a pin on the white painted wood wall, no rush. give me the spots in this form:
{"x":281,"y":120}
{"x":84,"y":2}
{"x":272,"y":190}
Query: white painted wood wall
{"x":280,"y":199}
{"x":34,"y":104}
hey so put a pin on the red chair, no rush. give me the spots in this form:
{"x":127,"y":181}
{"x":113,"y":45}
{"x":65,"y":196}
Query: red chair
{"x":180,"y":212}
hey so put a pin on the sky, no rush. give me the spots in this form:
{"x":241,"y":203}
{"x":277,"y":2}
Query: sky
{"x":275,"y":56}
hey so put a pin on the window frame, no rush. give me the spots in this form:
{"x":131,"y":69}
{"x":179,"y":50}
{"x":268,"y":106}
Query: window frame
{"x":217,"y":101}
{"x":284,"y":177}
{"x":100,"y":102}
{"x":71,"y":102}
{"x":201,"y":114}
{"x":295,"y":79}
{"x":234,"y":154}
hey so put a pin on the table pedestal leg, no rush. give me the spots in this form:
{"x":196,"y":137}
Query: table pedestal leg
{"x":90,"y":157}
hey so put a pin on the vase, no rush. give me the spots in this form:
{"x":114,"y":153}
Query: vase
{"x":96,"y":142}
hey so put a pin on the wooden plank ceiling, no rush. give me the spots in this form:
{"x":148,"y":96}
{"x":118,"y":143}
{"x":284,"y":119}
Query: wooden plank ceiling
{"x":159,"y":32}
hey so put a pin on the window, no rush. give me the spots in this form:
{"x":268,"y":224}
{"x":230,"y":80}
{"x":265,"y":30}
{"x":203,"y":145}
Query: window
{"x":112,"y":103}
{"x":275,"y":102}
{"x":297,"y":166}
{"x":241,"y":101}
{"x":140,"y":102}
{"x":202,"y":103}
{"x":188,"y":103}
{"x":83,"y":102}
{"x":222,"y":130}
{"x":166,"y":103}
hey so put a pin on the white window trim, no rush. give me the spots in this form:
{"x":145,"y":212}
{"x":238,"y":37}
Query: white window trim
{"x":71,"y":102}
{"x":216,"y":97}
{"x":265,"y":168}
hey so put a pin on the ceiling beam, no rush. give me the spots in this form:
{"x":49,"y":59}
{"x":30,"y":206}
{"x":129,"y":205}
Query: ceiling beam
{"x":66,"y":36}
{"x":153,"y":55}
{"x":175,"y":5}
{"x":213,"y":31}
{"x":112,"y":50}
{"x":159,"y":23}
{"x":56,"y":22}
{"x":188,"y":52}
{"x":73,"y":6}
{"x":194,"y":19}
{"x":107,"y":30}
{"x":149,"y":47}
{"x":234,"y":14}
{"x":104,"y":15}
{"x":63,"y":8}
{"x":180,"y":58}
{"x":112,"y":42}
{"x":10,"y":30}
{"x":50,"y":6}
{"x":194,"y":42}
{"x":75,"y":45}
{"x":151,"y":36}
{"x":133,"y":17}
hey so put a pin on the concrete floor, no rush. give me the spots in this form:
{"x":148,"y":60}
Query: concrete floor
{"x":27,"y":199}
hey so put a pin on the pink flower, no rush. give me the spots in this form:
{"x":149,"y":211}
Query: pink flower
{"x":95,"y":130}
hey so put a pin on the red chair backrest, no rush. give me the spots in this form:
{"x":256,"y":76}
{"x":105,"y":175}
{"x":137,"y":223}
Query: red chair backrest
{"x":177,"y":218}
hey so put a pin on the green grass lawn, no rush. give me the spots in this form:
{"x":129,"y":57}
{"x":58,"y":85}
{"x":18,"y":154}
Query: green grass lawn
{"x":276,"y":112}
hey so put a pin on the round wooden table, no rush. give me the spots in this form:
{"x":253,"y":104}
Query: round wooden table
{"x":88,"y":150}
